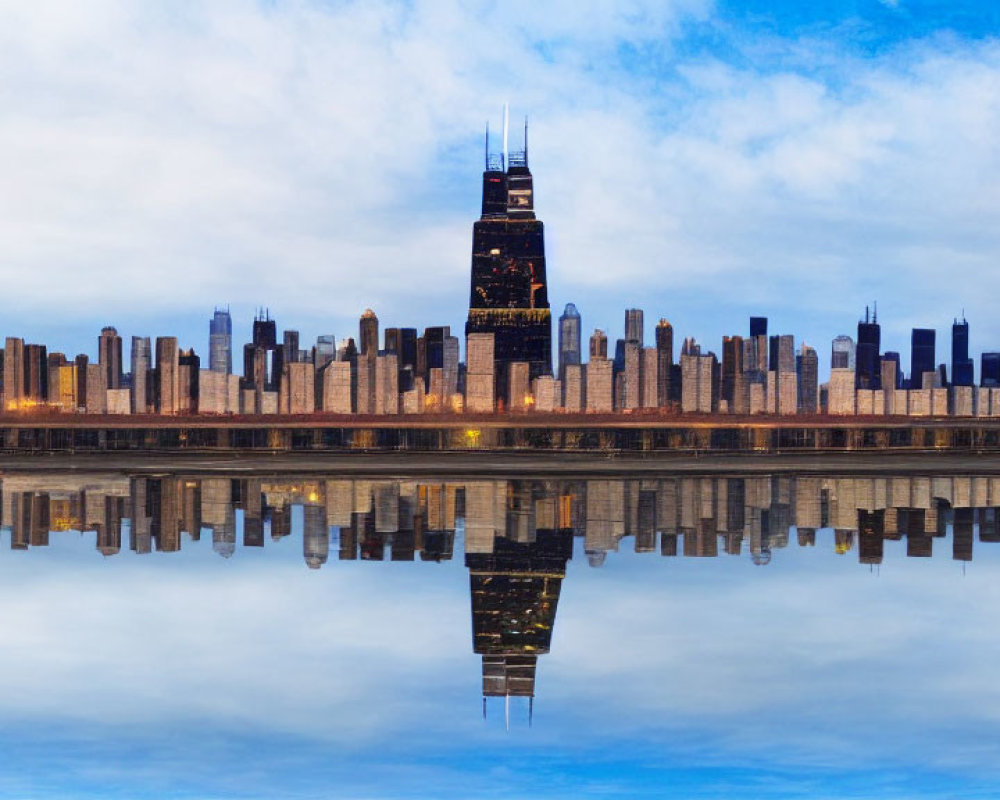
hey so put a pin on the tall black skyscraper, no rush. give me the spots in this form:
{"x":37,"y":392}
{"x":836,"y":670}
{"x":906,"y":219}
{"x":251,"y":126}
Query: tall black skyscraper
{"x":509,"y":296}
{"x":921,"y":355}
{"x":961,"y":364}
{"x":867,"y":366}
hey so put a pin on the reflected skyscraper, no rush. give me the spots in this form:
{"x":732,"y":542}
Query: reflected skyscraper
{"x":515,"y":593}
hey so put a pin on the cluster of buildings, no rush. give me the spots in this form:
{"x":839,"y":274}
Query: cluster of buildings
{"x":508,"y":364}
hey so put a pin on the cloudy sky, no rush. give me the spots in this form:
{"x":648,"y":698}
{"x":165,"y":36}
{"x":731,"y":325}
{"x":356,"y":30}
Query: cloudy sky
{"x":702,"y":160}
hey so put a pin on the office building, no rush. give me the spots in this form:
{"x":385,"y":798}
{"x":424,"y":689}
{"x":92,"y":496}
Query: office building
{"x":807,"y":368}
{"x":109,"y":356}
{"x":842,"y":353}
{"x":166,"y":378}
{"x":633,"y":325}
{"x":141,"y":368}
{"x":961,"y":364}
{"x":220,"y":342}
{"x":664,"y":361}
{"x":922,"y":357}
{"x":867,"y":372}
{"x":569,"y":338}
{"x":509,"y":295}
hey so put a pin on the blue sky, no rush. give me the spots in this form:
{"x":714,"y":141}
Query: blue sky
{"x":702,"y":160}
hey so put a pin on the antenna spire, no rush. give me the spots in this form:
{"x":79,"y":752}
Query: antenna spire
{"x":506,"y":707}
{"x":486,"y":160}
{"x":526,"y":152}
{"x":505,"y":129}
{"x":875,"y":317}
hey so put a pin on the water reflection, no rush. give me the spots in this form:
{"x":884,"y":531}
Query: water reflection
{"x":517,"y":535}
{"x":402,"y":520}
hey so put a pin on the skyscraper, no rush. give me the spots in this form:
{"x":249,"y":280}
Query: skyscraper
{"x":961,"y":364}
{"x":598,"y":345}
{"x":807,"y":367}
{"x":220,"y":342}
{"x":664,"y":361}
{"x":867,"y":371}
{"x":569,"y":338}
{"x":142,"y":397}
{"x":109,"y":356}
{"x":921,"y":355}
{"x":509,"y":296}
{"x":989,"y":371}
{"x":842,"y":353}
{"x":368,"y":334}
{"x":633,"y":325}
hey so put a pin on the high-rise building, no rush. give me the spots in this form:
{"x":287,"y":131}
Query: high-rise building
{"x":758,"y":326}
{"x":167,"y":375}
{"x":842,"y":354}
{"x":141,"y":366}
{"x":989,"y":370}
{"x":598,"y":345}
{"x":664,"y":361}
{"x":891,"y":374}
{"x":807,"y":367}
{"x":13,"y":372}
{"x":961,"y":364}
{"x":263,"y":358}
{"x":921,"y":355}
{"x":732,"y":371}
{"x":188,"y":383}
{"x":109,"y":356}
{"x":569,"y":338}
{"x":290,"y":347}
{"x":867,"y":372}
{"x":368,"y":338}
{"x":325,"y":351}
{"x":36,"y":373}
{"x":220,"y":342}
{"x":633,"y":325}
{"x":509,"y":295}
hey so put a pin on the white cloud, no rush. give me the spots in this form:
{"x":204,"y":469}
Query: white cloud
{"x":324,"y":158}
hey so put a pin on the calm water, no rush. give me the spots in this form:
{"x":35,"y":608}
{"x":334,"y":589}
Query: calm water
{"x":695,"y":637}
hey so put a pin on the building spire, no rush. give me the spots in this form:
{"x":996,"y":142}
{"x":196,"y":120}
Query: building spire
{"x":526,"y":151}
{"x":505,"y":129}
{"x":486,"y":159}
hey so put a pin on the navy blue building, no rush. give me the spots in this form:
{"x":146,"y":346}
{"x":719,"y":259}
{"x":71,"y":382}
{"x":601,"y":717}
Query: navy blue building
{"x":961,"y":365}
{"x":867,"y":363}
{"x":921,"y":355}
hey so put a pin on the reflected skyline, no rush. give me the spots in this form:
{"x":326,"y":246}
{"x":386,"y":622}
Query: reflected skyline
{"x":418,"y":519}
{"x":516,"y":536}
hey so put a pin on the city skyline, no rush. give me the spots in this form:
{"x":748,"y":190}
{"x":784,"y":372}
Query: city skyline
{"x":798,"y":163}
